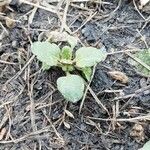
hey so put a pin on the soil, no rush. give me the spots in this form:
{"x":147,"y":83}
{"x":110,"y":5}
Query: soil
{"x":31,"y":108}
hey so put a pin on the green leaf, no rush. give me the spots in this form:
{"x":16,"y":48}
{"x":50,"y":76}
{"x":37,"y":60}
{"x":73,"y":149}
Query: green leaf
{"x":46,"y":52}
{"x":66,"y":52}
{"x":87,"y":72}
{"x":143,"y":56}
{"x":45,"y":66}
{"x":146,"y":146}
{"x":72,"y":41}
{"x":89,"y":56}
{"x":71,"y":87}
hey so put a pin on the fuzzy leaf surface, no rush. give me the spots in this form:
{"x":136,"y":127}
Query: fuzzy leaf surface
{"x":71,"y":87}
{"x":46,"y":52}
{"x":89,"y":56}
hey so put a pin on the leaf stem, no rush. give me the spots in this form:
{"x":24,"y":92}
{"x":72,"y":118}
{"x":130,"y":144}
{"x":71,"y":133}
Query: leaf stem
{"x":67,"y":73}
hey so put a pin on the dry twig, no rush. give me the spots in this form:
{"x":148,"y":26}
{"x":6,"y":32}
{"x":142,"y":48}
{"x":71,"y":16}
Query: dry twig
{"x":86,"y":90}
{"x":146,"y":117}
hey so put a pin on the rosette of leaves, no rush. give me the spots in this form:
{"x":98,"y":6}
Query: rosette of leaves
{"x":71,"y":86}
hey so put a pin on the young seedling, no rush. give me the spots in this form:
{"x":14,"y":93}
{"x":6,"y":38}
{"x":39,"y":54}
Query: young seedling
{"x":71,"y":86}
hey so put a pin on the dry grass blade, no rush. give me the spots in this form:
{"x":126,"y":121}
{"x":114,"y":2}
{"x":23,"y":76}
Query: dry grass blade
{"x":6,"y":62}
{"x":4,"y":120}
{"x":4,"y":28}
{"x":53,"y":127}
{"x":33,"y":14}
{"x":138,"y":10}
{"x":88,"y":19}
{"x":9,"y":112}
{"x":86,"y":90}
{"x":20,"y":72}
{"x":78,"y":1}
{"x":64,"y":25}
{"x":38,"y":6}
{"x":32,"y":108}
{"x":3,"y":104}
{"x":46,"y":129}
{"x":143,"y":38}
{"x":97,"y":100}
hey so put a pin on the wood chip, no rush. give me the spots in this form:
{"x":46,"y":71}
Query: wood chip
{"x":118,"y":75}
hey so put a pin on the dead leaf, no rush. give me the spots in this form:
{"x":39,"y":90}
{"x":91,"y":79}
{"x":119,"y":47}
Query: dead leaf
{"x":2,"y":133}
{"x":69,"y":114}
{"x":138,"y":132}
{"x":118,"y":75}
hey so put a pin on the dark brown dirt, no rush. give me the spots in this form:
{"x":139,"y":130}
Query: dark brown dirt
{"x":31,"y":108}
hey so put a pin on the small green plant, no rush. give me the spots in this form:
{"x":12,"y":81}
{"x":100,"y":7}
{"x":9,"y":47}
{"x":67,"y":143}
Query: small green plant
{"x":71,"y":86}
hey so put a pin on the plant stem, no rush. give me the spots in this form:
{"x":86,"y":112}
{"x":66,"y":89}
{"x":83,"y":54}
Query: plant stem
{"x":67,"y":73}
